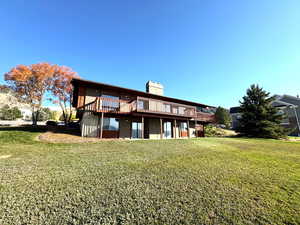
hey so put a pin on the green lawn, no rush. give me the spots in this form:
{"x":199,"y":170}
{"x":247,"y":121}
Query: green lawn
{"x":196,"y":181}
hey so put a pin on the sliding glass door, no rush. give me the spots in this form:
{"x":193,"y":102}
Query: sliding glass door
{"x":167,"y":130}
{"x":136,"y":130}
{"x":183,"y":129}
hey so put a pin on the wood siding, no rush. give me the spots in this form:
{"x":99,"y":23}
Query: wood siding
{"x":81,"y":97}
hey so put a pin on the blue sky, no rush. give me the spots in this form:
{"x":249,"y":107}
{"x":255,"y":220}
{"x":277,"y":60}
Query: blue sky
{"x":205,"y":51}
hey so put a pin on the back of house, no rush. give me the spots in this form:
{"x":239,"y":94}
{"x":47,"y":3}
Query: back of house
{"x":108,"y":111}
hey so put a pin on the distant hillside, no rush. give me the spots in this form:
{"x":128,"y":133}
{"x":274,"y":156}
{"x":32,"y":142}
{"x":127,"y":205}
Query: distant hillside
{"x":7,"y":97}
{"x":4,"y":89}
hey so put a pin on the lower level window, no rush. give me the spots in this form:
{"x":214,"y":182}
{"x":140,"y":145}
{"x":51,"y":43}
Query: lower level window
{"x":110,"y":124}
{"x":183,"y":126}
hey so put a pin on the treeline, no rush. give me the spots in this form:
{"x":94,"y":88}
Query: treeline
{"x":14,"y":113}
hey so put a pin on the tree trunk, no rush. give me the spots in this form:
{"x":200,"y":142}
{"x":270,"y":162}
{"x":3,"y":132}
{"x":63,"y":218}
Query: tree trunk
{"x":65,"y":117}
{"x":35,"y":116}
{"x":33,"y":119}
{"x":70,"y":116}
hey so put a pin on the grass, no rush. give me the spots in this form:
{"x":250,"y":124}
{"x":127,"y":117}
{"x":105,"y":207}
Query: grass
{"x":294,"y":138}
{"x":196,"y":181}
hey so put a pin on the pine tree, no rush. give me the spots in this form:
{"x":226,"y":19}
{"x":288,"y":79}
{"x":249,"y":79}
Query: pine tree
{"x":259,"y":117}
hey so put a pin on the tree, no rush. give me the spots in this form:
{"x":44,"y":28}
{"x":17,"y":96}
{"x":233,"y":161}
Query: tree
{"x":30,"y":84}
{"x":62,"y":90}
{"x":259,"y":118}
{"x":7,"y":113}
{"x":223,"y":117}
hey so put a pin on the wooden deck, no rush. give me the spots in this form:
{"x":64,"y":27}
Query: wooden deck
{"x":147,"y":106}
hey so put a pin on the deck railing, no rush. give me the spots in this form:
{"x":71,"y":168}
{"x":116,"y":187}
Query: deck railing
{"x":109,"y":105}
{"x":206,"y":117}
{"x":150,"y":105}
{"x":146,"y":105}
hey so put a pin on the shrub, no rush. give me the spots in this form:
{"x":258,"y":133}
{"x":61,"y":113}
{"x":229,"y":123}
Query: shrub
{"x":73,"y":117}
{"x":211,"y":131}
{"x":51,"y":123}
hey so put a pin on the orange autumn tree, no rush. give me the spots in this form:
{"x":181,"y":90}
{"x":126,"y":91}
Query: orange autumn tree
{"x":30,"y":84}
{"x":62,"y":90}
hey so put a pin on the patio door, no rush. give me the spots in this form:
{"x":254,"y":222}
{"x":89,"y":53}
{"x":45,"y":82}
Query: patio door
{"x":136,"y":130}
{"x":167,"y":129}
{"x":183,"y":129}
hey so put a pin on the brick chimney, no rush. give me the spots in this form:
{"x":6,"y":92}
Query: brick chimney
{"x":154,"y":88}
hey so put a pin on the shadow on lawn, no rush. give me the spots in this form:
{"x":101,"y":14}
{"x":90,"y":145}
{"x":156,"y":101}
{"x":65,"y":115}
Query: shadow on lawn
{"x":42,"y":129}
{"x":24,"y":128}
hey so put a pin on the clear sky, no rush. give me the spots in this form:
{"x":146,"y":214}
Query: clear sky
{"x":206,"y":51}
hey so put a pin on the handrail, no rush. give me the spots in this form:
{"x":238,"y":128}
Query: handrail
{"x":207,"y":117}
{"x":104,"y":104}
{"x":151,"y":105}
{"x":148,"y":105}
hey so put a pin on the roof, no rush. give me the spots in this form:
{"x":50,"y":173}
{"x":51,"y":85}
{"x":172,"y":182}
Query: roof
{"x":275,"y":103}
{"x":137,"y":92}
{"x":278,"y":103}
{"x":234,"y":110}
{"x":290,"y":99}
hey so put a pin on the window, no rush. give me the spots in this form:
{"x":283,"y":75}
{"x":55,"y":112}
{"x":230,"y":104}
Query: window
{"x":110,"y":96}
{"x":111,"y":124}
{"x":110,"y":104}
{"x":175,"y":110}
{"x":167,"y":108}
{"x":181,"y":110}
{"x":140,"y":104}
{"x":183,"y":126}
{"x":205,"y":109}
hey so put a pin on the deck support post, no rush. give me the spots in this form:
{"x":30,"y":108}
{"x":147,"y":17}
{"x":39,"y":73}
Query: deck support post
{"x":203,"y":130}
{"x":175,"y":130}
{"x":143,"y":128}
{"x":196,"y":129}
{"x":101,"y":125}
{"x":188,"y":128}
{"x":130,"y":120}
{"x":161,"y":129}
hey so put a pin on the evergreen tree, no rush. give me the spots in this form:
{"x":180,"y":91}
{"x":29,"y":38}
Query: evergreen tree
{"x":259,"y":117}
{"x":223,"y":117}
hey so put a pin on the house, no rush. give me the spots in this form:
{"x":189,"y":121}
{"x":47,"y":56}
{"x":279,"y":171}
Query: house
{"x":287,"y":105}
{"x":235,"y":116}
{"x":108,"y":111}
{"x":8,"y":97}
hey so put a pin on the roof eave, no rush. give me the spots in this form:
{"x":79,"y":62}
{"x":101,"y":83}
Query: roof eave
{"x":74,"y":80}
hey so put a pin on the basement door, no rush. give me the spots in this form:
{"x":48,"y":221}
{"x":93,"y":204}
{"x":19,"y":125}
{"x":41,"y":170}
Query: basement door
{"x":167,"y":130}
{"x":136,"y":130}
